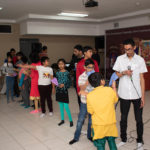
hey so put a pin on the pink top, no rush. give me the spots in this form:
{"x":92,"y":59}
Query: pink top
{"x":34,"y":92}
{"x":34,"y":73}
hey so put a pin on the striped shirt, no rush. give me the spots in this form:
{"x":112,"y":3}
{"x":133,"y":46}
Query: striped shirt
{"x":82,"y":80}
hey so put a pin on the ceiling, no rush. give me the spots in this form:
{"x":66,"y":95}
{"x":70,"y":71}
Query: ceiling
{"x":15,"y":9}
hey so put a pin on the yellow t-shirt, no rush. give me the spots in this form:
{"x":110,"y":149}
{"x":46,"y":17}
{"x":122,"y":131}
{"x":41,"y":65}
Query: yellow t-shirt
{"x":101,"y":105}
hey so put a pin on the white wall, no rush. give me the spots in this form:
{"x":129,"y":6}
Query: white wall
{"x":60,"y":28}
{"x":79,"y":28}
{"x":125,"y":23}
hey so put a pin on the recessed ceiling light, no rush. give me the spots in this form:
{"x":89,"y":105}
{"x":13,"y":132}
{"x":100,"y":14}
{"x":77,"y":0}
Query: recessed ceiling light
{"x":1,"y":8}
{"x":73,"y":14}
{"x":138,"y":3}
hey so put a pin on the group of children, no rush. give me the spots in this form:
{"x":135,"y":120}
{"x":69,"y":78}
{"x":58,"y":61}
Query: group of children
{"x":46,"y":87}
{"x":42,"y":85}
{"x":96,"y":100}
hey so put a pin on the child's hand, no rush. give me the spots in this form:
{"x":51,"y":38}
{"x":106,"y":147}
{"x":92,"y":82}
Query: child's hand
{"x":19,"y":65}
{"x":83,"y":87}
{"x":61,"y":85}
{"x":10,"y":74}
{"x":83,"y":93}
{"x":27,"y":72}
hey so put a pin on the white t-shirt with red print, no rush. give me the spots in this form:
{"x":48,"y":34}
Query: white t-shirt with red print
{"x":45,"y":74}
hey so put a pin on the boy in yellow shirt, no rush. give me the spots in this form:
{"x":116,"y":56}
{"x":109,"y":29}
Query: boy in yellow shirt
{"x":100,"y":104}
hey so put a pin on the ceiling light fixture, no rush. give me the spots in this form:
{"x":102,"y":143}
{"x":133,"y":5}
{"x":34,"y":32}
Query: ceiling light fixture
{"x":1,"y":8}
{"x":138,"y":3}
{"x":72,"y":14}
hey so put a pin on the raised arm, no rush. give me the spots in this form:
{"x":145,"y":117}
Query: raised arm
{"x":115,"y":90}
{"x":27,"y":66}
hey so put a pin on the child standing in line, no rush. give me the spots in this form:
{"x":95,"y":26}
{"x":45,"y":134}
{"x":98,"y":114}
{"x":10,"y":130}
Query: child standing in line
{"x":34,"y":92}
{"x":8,"y":70}
{"x":84,"y":87}
{"x":101,"y":105}
{"x":62,"y":91}
{"x":44,"y":84}
{"x":24,"y":84}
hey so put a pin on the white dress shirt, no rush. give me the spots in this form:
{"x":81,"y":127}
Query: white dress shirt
{"x":126,"y":89}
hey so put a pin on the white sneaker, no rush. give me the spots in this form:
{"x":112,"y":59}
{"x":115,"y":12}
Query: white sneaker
{"x":139,"y":146}
{"x":121,"y":144}
{"x":42,"y":115}
{"x":50,"y":113}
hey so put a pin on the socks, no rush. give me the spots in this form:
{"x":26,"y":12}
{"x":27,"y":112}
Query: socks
{"x":62,"y":122}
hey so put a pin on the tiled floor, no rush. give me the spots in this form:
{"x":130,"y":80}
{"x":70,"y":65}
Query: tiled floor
{"x":20,"y":130}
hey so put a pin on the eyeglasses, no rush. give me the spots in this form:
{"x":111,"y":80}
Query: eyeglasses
{"x":130,"y":49}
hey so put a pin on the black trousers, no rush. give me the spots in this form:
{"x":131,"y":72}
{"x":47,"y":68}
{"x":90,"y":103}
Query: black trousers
{"x":45,"y":94}
{"x":124,"y":108}
{"x":16,"y":87}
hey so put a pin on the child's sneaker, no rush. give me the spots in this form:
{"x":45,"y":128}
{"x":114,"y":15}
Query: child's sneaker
{"x":61,"y":123}
{"x":34,"y":112}
{"x":121,"y":144}
{"x":50,"y":113}
{"x":26,"y":107}
{"x":42,"y":115}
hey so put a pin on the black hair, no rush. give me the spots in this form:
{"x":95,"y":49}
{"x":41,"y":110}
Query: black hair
{"x":129,"y":42}
{"x":36,"y":47}
{"x":34,"y":57}
{"x":86,"y":48}
{"x":8,"y":54}
{"x":43,"y":59}
{"x":20,"y":54}
{"x":24,"y":59}
{"x":89,"y":62}
{"x":95,"y":79}
{"x":44,"y":48}
{"x":63,"y":60}
{"x":78,"y":47}
{"x":12,"y":50}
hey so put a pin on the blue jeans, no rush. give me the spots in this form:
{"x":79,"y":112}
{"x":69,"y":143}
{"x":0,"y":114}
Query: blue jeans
{"x":80,"y":122}
{"x":9,"y":87}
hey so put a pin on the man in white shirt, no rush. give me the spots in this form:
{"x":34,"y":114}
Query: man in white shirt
{"x":130,"y":68}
